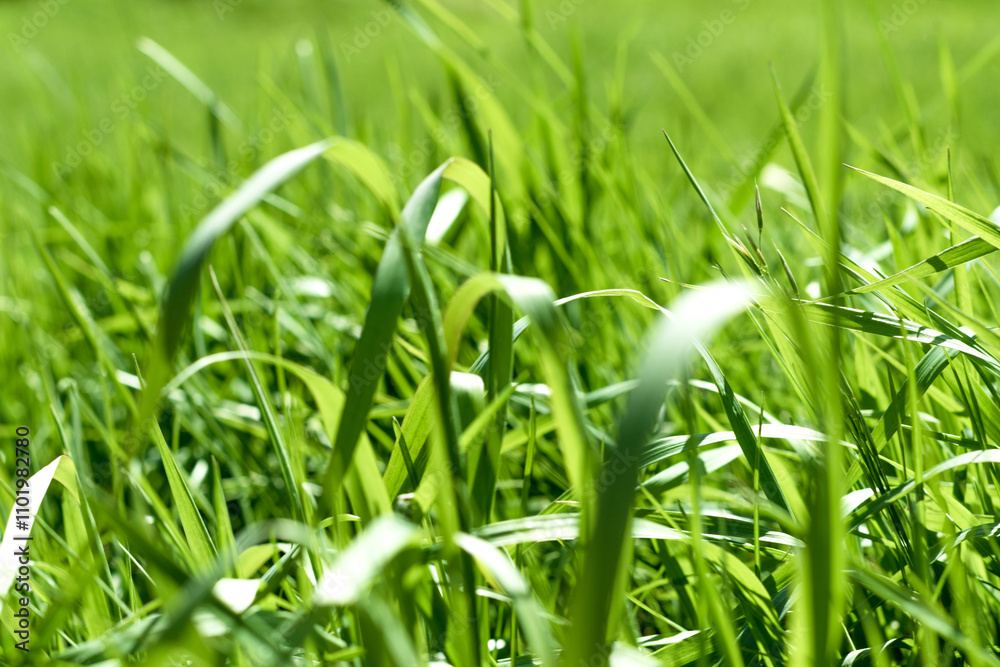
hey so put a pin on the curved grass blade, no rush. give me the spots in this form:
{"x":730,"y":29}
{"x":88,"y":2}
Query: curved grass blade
{"x":182,"y":288}
{"x":368,"y":168}
{"x":664,"y":448}
{"x":868,"y":509}
{"x":709,"y":461}
{"x":598,"y":597}
{"x":982,"y":227}
{"x":562,"y":528}
{"x":60,"y":470}
{"x":536,"y":300}
{"x":957,"y":255}
{"x":892,"y":327}
{"x":390,"y":291}
{"x":530,"y":614}
{"x":363,"y":561}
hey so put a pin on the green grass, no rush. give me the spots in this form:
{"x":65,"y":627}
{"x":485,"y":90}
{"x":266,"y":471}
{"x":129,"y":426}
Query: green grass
{"x":506,"y":340}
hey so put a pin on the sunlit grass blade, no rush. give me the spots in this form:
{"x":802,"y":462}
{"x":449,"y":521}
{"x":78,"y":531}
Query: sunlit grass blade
{"x":499,"y":566}
{"x":60,"y":470}
{"x":598,"y":598}
{"x":982,"y":227}
{"x":536,"y":300}
{"x":955,"y":256}
{"x":360,"y":564}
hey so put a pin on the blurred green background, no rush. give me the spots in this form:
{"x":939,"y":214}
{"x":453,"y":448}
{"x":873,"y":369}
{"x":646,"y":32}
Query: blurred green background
{"x":64,"y":62}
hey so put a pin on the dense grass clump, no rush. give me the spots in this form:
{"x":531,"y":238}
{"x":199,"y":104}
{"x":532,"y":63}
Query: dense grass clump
{"x":508,"y":380}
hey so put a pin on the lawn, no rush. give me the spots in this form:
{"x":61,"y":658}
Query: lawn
{"x":499,"y":333}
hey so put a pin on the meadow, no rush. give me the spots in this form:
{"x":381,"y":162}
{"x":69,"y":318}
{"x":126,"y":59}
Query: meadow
{"x":553,"y":332}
